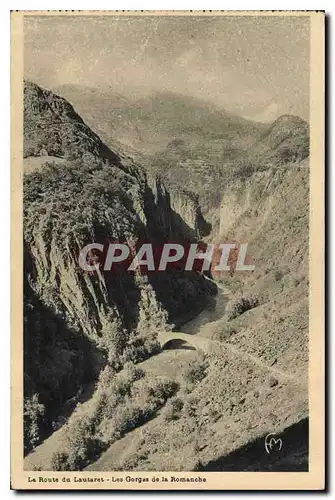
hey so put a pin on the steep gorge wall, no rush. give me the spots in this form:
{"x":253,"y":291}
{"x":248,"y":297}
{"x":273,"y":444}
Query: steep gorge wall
{"x":77,"y":321}
{"x":98,"y":196}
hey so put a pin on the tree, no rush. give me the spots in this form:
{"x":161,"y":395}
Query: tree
{"x":32,"y":416}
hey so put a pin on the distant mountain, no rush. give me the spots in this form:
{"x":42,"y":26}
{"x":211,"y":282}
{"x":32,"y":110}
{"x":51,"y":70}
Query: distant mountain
{"x":149,"y":124}
{"x":189,"y":141}
{"x":285,"y":140}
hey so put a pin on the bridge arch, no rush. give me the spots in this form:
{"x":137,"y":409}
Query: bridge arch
{"x":196,"y":342}
{"x":177,"y":344}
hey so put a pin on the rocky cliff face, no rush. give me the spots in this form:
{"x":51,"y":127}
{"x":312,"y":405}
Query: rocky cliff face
{"x":181,"y":212}
{"x":188,"y":218}
{"x":96,"y":195}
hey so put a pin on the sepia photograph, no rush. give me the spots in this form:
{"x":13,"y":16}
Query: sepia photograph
{"x":167,"y":250}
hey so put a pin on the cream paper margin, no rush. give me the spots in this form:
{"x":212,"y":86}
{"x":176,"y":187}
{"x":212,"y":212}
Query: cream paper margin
{"x":314,"y":479}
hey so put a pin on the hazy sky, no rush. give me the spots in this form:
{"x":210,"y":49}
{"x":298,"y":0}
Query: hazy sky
{"x":254,"y":67}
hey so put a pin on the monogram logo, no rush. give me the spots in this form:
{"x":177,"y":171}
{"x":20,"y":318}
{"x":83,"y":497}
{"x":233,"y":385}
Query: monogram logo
{"x":272,"y":443}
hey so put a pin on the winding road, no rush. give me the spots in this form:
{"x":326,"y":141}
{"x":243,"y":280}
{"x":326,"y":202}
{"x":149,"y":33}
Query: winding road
{"x":209,"y":346}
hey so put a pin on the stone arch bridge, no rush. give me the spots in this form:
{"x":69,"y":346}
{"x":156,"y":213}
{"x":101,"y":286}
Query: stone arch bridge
{"x":199,"y":343}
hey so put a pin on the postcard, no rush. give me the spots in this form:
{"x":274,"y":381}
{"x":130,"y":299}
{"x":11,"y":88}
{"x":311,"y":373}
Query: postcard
{"x":167,"y":250}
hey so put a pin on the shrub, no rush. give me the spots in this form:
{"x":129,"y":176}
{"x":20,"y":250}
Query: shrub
{"x":241,"y":306}
{"x":127,"y":417}
{"x":139,"y":405}
{"x":131,"y":372}
{"x":126,"y":378}
{"x":225,"y":332}
{"x":79,"y":458}
{"x":116,"y":408}
{"x":196,"y":370}
{"x":82,"y":446}
{"x":114,"y":340}
{"x":106,"y":377}
{"x":273,"y":381}
{"x":173,"y":408}
{"x":32,"y":417}
{"x":163,"y":388}
{"x":190,"y":408}
{"x":278,"y":274}
{"x":59,"y":461}
{"x":140,"y":349}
